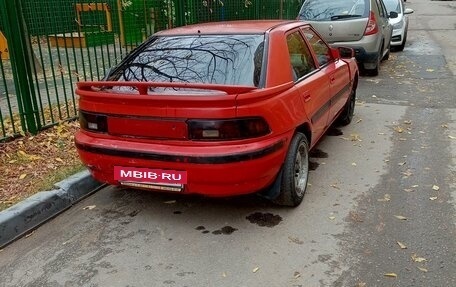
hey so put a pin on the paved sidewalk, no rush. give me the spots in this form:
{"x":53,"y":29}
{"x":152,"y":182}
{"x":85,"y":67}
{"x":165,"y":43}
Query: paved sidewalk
{"x":22,"y":218}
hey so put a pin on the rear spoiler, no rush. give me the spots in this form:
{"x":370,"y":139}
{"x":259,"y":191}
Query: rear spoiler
{"x":143,"y":87}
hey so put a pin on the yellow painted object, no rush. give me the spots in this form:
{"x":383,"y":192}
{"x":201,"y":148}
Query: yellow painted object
{"x":4,"y":47}
{"x":82,"y":38}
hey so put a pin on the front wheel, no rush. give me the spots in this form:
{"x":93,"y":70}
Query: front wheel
{"x":295,"y":172}
{"x":346,"y":116}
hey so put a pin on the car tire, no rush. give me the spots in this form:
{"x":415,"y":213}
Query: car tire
{"x":295,"y":172}
{"x":402,"y":45}
{"x":346,"y":116}
{"x":376,"y":69}
{"x":387,"y":55}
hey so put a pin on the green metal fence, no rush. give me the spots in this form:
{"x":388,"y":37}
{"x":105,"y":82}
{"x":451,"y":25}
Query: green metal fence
{"x":52,"y":44}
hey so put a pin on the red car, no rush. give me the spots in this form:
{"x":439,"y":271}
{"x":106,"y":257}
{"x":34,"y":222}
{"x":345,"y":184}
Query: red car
{"x":217,"y":109}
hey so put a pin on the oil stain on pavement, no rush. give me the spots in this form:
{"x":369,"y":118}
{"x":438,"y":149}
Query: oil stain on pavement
{"x":264,"y":219}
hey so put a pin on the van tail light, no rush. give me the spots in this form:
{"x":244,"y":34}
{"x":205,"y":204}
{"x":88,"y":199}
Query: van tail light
{"x":229,"y":129}
{"x":372,"y":26}
{"x":93,"y":122}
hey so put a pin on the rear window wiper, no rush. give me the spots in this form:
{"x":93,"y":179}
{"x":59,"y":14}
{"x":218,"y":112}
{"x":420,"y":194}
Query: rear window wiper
{"x":345,"y":16}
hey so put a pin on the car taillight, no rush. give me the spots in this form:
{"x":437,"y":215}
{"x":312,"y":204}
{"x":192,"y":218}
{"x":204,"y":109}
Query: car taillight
{"x":230,"y":129}
{"x":372,"y":27}
{"x":93,"y":122}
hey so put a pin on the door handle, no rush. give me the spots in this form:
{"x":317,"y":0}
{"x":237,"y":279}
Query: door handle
{"x":332,"y":79}
{"x":307,"y":98}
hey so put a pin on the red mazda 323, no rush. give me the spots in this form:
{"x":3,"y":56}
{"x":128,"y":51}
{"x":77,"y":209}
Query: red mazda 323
{"x":217,"y":109}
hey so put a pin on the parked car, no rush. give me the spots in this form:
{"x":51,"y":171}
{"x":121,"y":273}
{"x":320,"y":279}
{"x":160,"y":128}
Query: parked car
{"x":400,"y":24}
{"x":361,"y":24}
{"x":217,"y":109}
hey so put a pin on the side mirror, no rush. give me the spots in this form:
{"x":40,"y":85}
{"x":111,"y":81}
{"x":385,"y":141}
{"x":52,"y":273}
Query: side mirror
{"x":393,"y":15}
{"x":408,"y":11}
{"x":346,"y":52}
{"x":335,"y":53}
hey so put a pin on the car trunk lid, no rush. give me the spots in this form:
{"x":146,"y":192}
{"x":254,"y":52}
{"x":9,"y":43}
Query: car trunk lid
{"x":156,"y":110}
{"x":347,"y":30}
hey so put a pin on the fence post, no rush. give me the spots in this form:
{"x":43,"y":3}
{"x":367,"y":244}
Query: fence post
{"x":180,"y":13}
{"x":13,"y":23}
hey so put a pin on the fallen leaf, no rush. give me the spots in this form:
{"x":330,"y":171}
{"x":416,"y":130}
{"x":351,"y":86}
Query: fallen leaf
{"x":452,"y":137}
{"x":429,"y":70}
{"x":401,"y":245}
{"x":296,"y":275}
{"x":423,"y":269}
{"x":332,"y":217}
{"x":394,"y":275}
{"x":89,"y":207}
{"x":355,"y":138}
{"x":408,"y":122}
{"x":418,"y":259}
{"x":445,"y":126}
{"x":385,"y":198}
{"x":223,"y":274}
{"x":399,"y":129}
{"x":401,"y":163}
{"x":400,"y":217}
{"x":255,"y":269}
{"x":358,"y":121}
{"x":58,"y":159}
{"x":334,"y":186}
{"x":435,"y":187}
{"x":22,"y":153}
{"x":353,"y":163}
{"x":22,"y":176}
{"x":29,"y":234}
{"x":407,"y":173}
{"x":433,"y":198}
{"x":415,"y":186}
{"x":295,"y":240}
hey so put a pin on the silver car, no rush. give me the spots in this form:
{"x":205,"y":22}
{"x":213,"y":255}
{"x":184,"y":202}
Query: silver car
{"x":400,"y":24}
{"x":359,"y":24}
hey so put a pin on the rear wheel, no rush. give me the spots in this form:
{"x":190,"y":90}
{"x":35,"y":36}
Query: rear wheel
{"x":295,"y":172}
{"x":374,"y":71}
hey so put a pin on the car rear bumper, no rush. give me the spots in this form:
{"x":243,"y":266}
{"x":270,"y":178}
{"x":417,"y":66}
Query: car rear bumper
{"x":215,"y":171}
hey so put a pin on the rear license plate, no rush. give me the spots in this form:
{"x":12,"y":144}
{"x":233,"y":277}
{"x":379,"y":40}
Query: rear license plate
{"x":147,"y":175}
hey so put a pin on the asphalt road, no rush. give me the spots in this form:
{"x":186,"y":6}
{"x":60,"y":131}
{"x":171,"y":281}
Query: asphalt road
{"x":380,"y":209}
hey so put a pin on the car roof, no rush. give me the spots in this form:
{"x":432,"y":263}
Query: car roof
{"x":232,"y":27}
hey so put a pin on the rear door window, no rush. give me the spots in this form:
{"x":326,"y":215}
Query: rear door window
{"x":301,"y":59}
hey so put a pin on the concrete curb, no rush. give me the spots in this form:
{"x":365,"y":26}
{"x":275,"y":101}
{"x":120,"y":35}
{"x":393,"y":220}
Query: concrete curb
{"x":37,"y":209}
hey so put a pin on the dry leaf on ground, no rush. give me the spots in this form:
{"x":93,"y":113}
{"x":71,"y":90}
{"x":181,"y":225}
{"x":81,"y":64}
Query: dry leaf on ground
{"x":400,"y":217}
{"x":393,"y":275}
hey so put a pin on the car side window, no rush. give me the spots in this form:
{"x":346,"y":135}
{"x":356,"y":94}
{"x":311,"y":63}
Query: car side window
{"x":322,"y":51}
{"x":301,"y":59}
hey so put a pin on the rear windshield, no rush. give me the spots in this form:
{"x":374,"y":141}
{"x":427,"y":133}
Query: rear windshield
{"x":333,"y":10}
{"x":393,"y":5}
{"x":214,"y":59}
